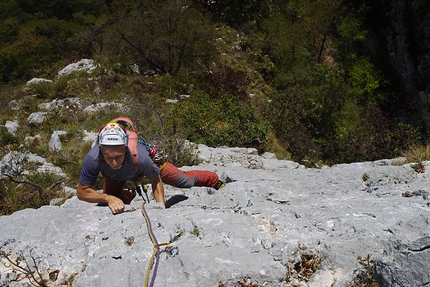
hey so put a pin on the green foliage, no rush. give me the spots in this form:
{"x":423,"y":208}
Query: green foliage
{"x":225,"y":121}
{"x":44,"y":179}
{"x":351,"y":34}
{"x":9,"y":30}
{"x":365,"y":177}
{"x":37,"y":34}
{"x":43,"y":88}
{"x":286,"y":47}
{"x":237,"y":13}
{"x":365,"y":275}
{"x":31,"y":190}
{"x":298,"y":35}
{"x":303,"y":61}
{"x":416,"y":153}
{"x":179,"y":233}
{"x":322,"y":118}
{"x":196,"y":231}
{"x":9,"y":8}
{"x":180,"y":152}
{"x":7,"y":138}
{"x":419,"y":167}
{"x":61,"y":9}
{"x":366,"y":81}
{"x":163,"y":36}
{"x":304,"y":114}
{"x":70,"y":158}
{"x":318,"y":114}
{"x":226,"y":80}
{"x":38,"y":44}
{"x":355,"y":130}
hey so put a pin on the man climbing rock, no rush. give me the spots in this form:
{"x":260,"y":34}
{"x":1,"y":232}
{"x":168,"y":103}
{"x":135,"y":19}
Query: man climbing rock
{"x":111,"y":157}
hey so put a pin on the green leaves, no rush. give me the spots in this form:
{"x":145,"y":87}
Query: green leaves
{"x":164,"y":36}
{"x":225,"y":121}
{"x":366,"y":81}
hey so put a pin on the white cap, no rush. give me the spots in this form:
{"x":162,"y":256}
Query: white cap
{"x":113,"y":134}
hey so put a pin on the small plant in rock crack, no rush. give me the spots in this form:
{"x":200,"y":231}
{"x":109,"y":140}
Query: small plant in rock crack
{"x":179,"y":233}
{"x":196,"y":231}
{"x":419,"y":167}
{"x":302,"y":270}
{"x":243,"y":282}
{"x":365,"y":276}
{"x":365,"y":177}
{"x":246,"y":282}
{"x":29,"y":267}
{"x":129,"y":240}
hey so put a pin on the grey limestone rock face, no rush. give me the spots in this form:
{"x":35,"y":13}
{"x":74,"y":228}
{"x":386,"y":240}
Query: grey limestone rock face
{"x":406,"y":255}
{"x":259,"y":229}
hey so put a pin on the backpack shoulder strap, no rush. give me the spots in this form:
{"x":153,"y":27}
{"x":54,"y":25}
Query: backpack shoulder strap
{"x":132,"y":138}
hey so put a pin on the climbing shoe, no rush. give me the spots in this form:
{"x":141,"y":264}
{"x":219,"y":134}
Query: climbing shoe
{"x":219,"y":185}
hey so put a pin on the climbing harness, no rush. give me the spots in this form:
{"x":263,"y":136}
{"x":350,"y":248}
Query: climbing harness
{"x":171,"y":251}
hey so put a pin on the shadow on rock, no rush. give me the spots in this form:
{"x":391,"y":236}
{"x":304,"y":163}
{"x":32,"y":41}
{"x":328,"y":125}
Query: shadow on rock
{"x":175,"y":199}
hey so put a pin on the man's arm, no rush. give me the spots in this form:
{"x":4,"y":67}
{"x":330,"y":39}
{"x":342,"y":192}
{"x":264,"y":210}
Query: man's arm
{"x":158,"y":190}
{"x":88,"y":194}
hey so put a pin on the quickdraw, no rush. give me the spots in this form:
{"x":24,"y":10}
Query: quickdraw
{"x":139,"y":189}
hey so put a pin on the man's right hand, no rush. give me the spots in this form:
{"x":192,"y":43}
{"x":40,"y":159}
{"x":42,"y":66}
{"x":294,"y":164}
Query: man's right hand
{"x":115,"y":204}
{"x":88,"y":194}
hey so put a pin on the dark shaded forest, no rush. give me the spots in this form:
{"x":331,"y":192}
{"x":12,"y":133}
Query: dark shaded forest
{"x":314,"y":81}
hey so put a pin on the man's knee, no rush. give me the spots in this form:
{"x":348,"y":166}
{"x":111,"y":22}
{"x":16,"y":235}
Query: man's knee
{"x":186,"y":182}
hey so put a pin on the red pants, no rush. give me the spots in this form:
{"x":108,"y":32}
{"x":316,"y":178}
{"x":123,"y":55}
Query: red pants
{"x":116,"y":188}
{"x":171,"y":175}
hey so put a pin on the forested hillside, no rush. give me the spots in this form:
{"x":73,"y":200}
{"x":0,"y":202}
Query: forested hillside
{"x":313,"y":81}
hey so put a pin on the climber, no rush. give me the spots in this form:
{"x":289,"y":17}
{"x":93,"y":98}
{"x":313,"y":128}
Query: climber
{"x":169,"y":173}
{"x":111,"y":157}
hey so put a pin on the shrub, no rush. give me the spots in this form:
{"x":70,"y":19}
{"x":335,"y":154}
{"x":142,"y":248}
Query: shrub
{"x":417,"y":153}
{"x":362,"y":134}
{"x":365,"y":275}
{"x":320,"y":118}
{"x":70,"y":158}
{"x":43,"y":89}
{"x":225,"y":121}
{"x":366,"y":80}
{"x":180,"y":152}
{"x":32,"y":190}
{"x":227,"y":81}
{"x":7,"y":138}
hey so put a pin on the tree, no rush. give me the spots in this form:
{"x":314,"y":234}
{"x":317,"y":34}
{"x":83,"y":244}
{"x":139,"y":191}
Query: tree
{"x":163,"y":35}
{"x":236,"y":13}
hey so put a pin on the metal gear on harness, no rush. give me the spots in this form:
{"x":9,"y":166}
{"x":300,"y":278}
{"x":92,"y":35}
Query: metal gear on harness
{"x":139,"y":189}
